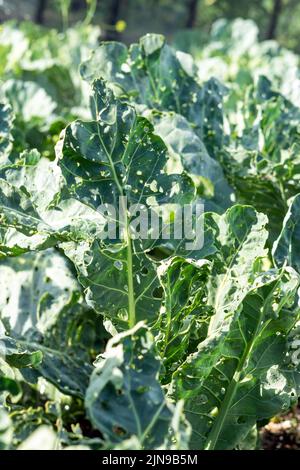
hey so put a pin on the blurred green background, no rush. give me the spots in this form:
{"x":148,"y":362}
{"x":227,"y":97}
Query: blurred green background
{"x":182,"y":21}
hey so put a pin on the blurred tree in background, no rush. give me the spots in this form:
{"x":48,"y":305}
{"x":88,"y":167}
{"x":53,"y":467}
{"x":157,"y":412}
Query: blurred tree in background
{"x":276,"y":19}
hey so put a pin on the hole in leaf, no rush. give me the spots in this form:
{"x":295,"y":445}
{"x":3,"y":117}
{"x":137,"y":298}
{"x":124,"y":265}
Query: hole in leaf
{"x":241,"y":420}
{"x":159,"y":254}
{"x":144,"y":271}
{"x":119,"y":431}
{"x":157,"y":293}
{"x":142,"y":389}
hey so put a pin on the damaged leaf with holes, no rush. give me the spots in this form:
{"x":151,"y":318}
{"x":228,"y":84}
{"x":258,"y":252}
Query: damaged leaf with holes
{"x":45,"y":324}
{"x":125,"y":399}
{"x":154,"y":75}
{"x":111,"y":340}
{"x":243,"y":372}
{"x":103,"y":162}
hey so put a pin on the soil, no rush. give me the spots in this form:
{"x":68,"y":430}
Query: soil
{"x":282,"y":432}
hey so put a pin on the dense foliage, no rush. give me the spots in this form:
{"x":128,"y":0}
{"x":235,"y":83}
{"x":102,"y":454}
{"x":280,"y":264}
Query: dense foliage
{"x":134,"y":343}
